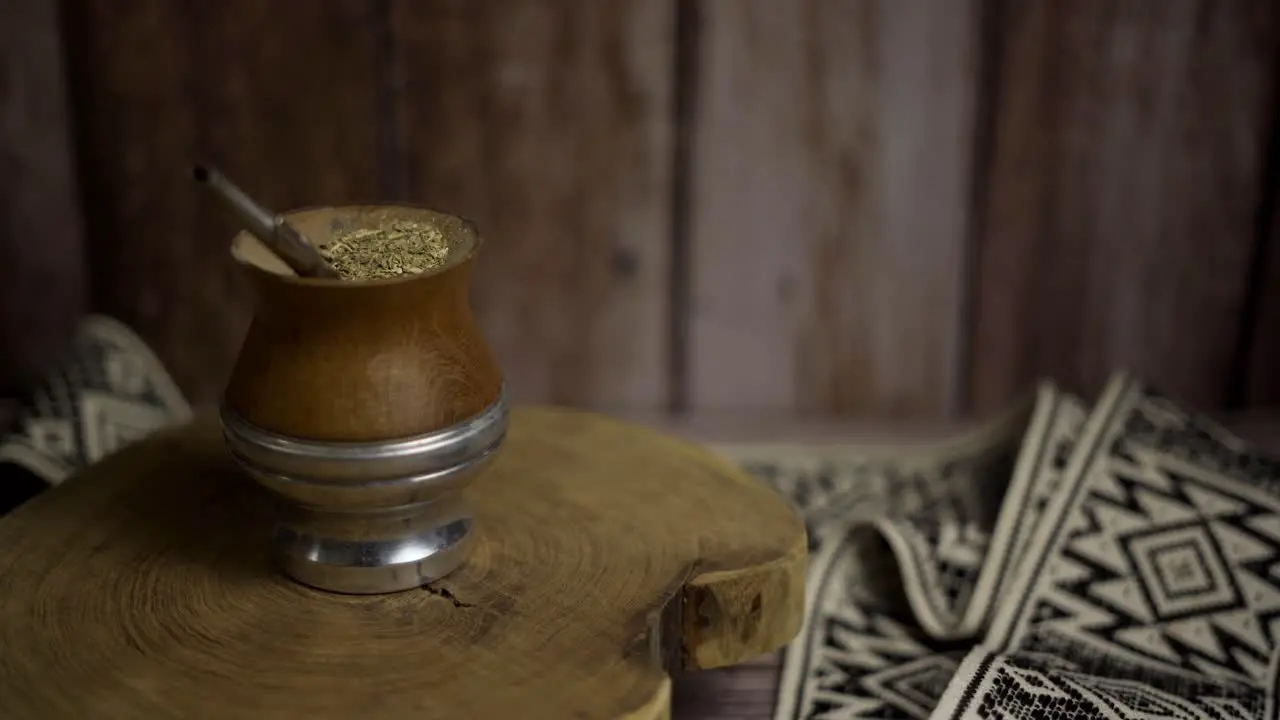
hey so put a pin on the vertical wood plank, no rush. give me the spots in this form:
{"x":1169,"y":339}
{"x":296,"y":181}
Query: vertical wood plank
{"x":1129,"y":141}
{"x":1260,"y":364}
{"x":548,"y":123}
{"x":574,"y":166}
{"x":42,"y":269}
{"x":281,"y":96}
{"x":831,"y":163}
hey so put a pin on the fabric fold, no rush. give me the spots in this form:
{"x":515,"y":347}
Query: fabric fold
{"x":954,"y":564}
{"x":110,"y":390}
{"x":899,"y":534}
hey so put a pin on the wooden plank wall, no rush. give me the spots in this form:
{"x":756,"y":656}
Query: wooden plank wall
{"x":831,"y":168}
{"x":158,"y":86}
{"x":42,"y":267}
{"x":820,"y":207}
{"x":546,"y":122}
{"x":1121,"y":193}
{"x":549,"y":124}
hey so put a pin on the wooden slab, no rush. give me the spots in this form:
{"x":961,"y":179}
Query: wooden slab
{"x":608,"y":556}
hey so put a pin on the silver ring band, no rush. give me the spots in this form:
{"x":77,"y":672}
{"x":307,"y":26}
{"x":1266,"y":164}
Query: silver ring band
{"x":319,"y":461}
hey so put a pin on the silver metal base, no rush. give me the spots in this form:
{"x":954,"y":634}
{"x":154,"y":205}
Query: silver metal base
{"x":370,"y":517}
{"x":373,"y":566}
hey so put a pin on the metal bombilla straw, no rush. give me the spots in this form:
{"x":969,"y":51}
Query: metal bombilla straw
{"x":278,"y":235}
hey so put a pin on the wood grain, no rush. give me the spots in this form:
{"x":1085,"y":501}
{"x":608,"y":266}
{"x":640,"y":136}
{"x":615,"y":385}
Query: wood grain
{"x":42,"y":264}
{"x":287,"y":108}
{"x":357,"y":361}
{"x":547,"y":122}
{"x":1120,"y":196}
{"x":578,"y":599}
{"x":831,"y":148}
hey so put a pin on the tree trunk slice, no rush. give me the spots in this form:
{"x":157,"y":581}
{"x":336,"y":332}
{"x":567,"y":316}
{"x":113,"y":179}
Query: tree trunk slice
{"x":606,"y":557}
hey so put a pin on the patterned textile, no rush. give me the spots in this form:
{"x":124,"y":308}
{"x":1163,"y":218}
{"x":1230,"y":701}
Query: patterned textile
{"x":1118,"y":563}
{"x":110,"y":391}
